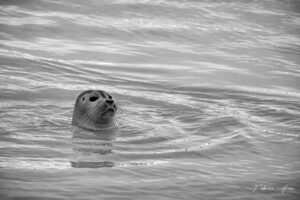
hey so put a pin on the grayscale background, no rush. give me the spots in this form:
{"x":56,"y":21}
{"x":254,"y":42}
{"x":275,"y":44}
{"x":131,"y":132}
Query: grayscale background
{"x":208,"y":95}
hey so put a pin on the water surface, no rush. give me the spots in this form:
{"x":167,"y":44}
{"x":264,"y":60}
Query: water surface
{"x":208,"y":95}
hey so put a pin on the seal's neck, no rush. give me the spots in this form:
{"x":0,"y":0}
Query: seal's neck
{"x":98,"y":127}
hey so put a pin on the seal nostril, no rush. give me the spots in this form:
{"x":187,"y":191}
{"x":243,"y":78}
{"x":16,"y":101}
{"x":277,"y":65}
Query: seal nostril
{"x":110,"y":101}
{"x":93,"y":98}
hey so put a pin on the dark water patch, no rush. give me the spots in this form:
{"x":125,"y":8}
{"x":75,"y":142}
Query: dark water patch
{"x":91,"y":164}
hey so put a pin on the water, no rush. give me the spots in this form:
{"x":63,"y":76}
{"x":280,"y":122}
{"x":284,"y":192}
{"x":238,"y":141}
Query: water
{"x":208,"y":95}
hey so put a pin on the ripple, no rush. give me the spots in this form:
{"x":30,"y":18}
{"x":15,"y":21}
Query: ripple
{"x":207,"y":92}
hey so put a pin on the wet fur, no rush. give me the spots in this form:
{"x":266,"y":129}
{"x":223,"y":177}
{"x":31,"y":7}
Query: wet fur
{"x":94,"y":115}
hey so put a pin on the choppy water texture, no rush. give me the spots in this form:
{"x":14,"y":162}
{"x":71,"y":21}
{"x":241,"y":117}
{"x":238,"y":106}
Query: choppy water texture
{"x":208,"y":93}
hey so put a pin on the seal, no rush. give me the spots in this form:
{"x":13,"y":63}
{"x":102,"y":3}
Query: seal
{"x":94,"y":110}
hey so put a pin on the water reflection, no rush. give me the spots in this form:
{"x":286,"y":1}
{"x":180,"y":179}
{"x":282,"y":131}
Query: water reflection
{"x":81,"y":164}
{"x":92,"y":149}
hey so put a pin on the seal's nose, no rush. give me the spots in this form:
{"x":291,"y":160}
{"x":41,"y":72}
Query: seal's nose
{"x":110,"y":101}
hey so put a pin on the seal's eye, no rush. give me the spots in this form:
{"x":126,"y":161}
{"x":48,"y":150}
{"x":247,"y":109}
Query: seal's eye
{"x":110,"y":97}
{"x":83,"y":99}
{"x":93,"y":98}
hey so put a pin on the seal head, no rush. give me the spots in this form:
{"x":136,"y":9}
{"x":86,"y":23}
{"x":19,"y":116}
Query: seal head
{"x":94,"y":110}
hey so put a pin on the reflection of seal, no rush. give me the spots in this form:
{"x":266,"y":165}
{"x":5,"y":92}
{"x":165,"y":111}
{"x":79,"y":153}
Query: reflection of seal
{"x":94,"y":109}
